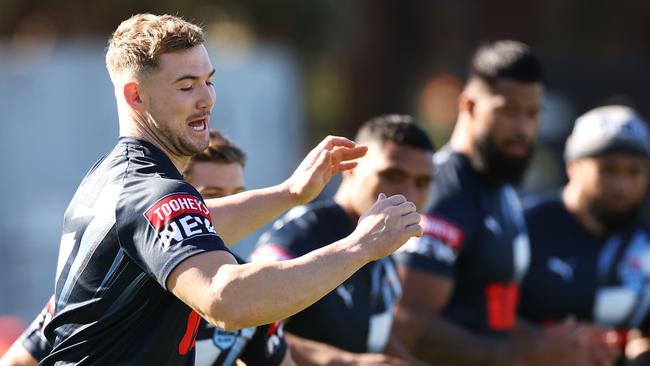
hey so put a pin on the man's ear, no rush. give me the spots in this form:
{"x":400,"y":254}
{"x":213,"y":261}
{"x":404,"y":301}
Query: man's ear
{"x":132,"y":95}
{"x":466,"y":103}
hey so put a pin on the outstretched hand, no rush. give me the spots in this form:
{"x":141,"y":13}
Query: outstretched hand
{"x":334,"y":154}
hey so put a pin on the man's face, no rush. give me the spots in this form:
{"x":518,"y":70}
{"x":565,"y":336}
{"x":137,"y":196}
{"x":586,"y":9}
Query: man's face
{"x":505,"y":125}
{"x":214,"y":180}
{"x":178,"y":98}
{"x":613,"y":185}
{"x":391,"y":169}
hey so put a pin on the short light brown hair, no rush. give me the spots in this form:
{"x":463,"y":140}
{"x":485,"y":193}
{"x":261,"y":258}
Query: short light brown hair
{"x":221,"y":151}
{"x":138,"y":42}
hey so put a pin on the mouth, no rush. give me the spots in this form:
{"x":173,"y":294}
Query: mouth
{"x":199,"y":125}
{"x":517,"y":149}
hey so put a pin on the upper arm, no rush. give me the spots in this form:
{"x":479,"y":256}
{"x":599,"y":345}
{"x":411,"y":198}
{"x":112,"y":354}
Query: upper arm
{"x":424,"y":295}
{"x":163,"y":225}
{"x":424,"y":290}
{"x":192,"y":280}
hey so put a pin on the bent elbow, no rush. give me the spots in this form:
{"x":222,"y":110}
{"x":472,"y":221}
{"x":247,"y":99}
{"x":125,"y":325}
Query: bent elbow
{"x":225,"y":316}
{"x":223,"y":310}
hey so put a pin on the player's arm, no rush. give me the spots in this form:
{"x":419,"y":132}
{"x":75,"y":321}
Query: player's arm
{"x":421,"y":328}
{"x":396,"y":348}
{"x":31,"y":346}
{"x":433,"y":338}
{"x":637,"y":349}
{"x":239,"y":215}
{"x":307,"y":352}
{"x":236,"y":296}
{"x":17,"y":355}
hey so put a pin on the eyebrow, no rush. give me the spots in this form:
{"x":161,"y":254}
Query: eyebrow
{"x":193,"y":77}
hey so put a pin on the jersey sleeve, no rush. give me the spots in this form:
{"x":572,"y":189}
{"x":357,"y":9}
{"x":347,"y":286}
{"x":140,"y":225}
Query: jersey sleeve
{"x":162,"y":224}
{"x":33,"y":339}
{"x":448,"y":228}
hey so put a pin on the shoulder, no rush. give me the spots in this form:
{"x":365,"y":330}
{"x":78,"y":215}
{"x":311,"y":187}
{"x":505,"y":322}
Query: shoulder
{"x":542,"y":206}
{"x":455,"y":181}
{"x":301,"y":230}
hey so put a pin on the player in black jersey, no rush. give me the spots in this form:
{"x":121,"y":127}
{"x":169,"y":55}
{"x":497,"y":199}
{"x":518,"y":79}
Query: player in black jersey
{"x":461,"y":279}
{"x":216,"y":172}
{"x":141,"y":261}
{"x":590,"y":249}
{"x":352,"y":324}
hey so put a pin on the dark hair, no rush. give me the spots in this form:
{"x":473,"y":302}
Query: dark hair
{"x":505,"y":59}
{"x":397,"y":128}
{"x":221,"y":150}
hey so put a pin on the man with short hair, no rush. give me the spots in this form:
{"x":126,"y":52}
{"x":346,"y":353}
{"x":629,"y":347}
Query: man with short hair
{"x":461,"y":279}
{"x":352,"y":324}
{"x":217,"y":171}
{"x":590,"y":248}
{"x":141,"y":261}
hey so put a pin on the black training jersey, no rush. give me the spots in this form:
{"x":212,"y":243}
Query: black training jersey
{"x":33,"y":339}
{"x":474,"y":234}
{"x":357,"y":315}
{"x":130,"y":223}
{"x":256,"y":346}
{"x":596,"y":279}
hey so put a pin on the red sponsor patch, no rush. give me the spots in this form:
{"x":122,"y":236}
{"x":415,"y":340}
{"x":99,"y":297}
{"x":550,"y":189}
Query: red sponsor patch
{"x":444,"y":231}
{"x":173,"y":206}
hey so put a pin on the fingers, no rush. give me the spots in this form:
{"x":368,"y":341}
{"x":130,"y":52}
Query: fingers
{"x":344,"y":166}
{"x":330,"y":142}
{"x":344,"y":153}
{"x":411,"y":218}
{"x":404,"y":208}
{"x":414,"y":230}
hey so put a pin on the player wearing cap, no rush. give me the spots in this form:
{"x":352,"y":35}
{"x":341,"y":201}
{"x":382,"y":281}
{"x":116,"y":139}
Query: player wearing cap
{"x":461,"y":279}
{"x":590,"y":249}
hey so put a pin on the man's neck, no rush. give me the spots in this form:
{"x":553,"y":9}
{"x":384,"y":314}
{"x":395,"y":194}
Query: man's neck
{"x":342,"y":199}
{"x":134,"y":127}
{"x":576,"y":205}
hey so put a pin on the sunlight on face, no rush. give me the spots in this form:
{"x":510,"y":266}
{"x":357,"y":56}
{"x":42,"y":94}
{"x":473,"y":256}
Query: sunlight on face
{"x":179,"y":97}
{"x":214,"y":180}
{"x":391,"y":169}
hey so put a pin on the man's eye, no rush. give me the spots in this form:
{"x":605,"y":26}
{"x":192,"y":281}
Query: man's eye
{"x":209,"y":82}
{"x":187,"y":88}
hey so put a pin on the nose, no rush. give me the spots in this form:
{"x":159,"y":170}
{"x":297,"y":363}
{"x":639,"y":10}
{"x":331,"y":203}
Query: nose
{"x":527,"y":126}
{"x":207,"y":98}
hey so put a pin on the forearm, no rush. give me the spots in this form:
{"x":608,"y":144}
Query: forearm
{"x":17,"y":355}
{"x":281,"y":289}
{"x":236,"y":216}
{"x":436,"y":340}
{"x":306,"y":352}
{"x":396,"y":348}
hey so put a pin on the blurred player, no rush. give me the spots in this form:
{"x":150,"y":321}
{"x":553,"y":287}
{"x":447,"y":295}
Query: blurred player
{"x":590,"y":249}
{"x":140,"y":260}
{"x":352,"y":324}
{"x":216,"y":172}
{"x":461,"y":279}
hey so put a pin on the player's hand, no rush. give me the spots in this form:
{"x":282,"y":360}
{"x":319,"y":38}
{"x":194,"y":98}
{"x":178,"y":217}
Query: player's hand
{"x":571,"y":343}
{"x":368,"y":359}
{"x":387,"y":225}
{"x":334,"y":154}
